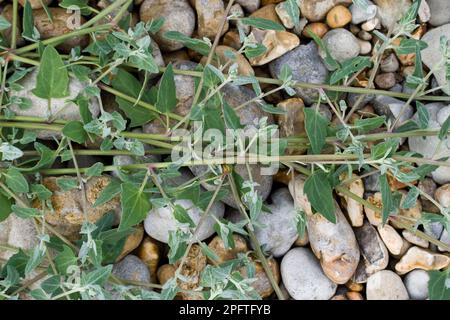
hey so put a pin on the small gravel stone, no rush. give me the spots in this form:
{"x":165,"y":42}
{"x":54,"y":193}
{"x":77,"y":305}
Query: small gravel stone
{"x":416,"y":282}
{"x":360,"y":15}
{"x":131,"y":268}
{"x":341,"y":44}
{"x":385,"y":80}
{"x":390,"y":63}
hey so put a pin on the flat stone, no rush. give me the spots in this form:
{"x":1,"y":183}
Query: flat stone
{"x":386,"y":285}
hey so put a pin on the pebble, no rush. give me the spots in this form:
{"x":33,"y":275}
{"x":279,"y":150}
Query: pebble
{"x":276,"y":42}
{"x":131,"y":268}
{"x":132,"y":242}
{"x":390,"y":11}
{"x":416,"y":282}
{"x":385,"y":80}
{"x":249,"y":5}
{"x":354,"y":208}
{"x":419,"y":258}
{"x":393,"y":240}
{"x":371,"y":24}
{"x":149,"y":252}
{"x":333,"y":243}
{"x":306,"y":66}
{"x":192,"y":268}
{"x":178,"y":16}
{"x":386,"y":285}
{"x":19,"y":233}
{"x":373,"y":250}
{"x":35,"y":4}
{"x":374,"y":217}
{"x":262,"y":283}
{"x":210,"y":15}
{"x":341,"y":44}
{"x":292,"y":123}
{"x":415,"y":240}
{"x":279,"y":232}
{"x":424,"y":12}
{"x":221,"y":59}
{"x":428,"y":147}
{"x":360,"y":15}
{"x":224,"y":254}
{"x":284,"y":16}
{"x":445,"y":238}
{"x":428,"y":186}
{"x":390,"y":63}
{"x":365,"y":47}
{"x":439,"y":10}
{"x":67,"y":215}
{"x":316,"y":10}
{"x":161,"y":220}
{"x":390,"y":107}
{"x":267,"y":12}
{"x":338,"y":17}
{"x":318,"y":28}
{"x":432,"y":54}
{"x":364,"y":35}
{"x":61,"y":108}
{"x":303,"y":277}
{"x":442,"y":195}
{"x":165,"y":273}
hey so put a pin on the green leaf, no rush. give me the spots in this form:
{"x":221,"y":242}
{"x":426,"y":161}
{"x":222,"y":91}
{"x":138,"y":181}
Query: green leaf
{"x":95,"y":170}
{"x":25,"y":213}
{"x":51,"y":284}
{"x":65,"y":259}
{"x":74,"y":131}
{"x":232,"y":120}
{"x":98,"y":276}
{"x":409,"y":17}
{"x":41,"y":192}
{"x":178,"y":245}
{"x":35,"y":260}
{"x":261,"y":23}
{"x":438,"y":285}
{"x":444,"y":129}
{"x":369,"y":124}
{"x":409,"y":45}
{"x":108,"y":193}
{"x":53,"y":79}
{"x":126,"y":83}
{"x":424,"y":116}
{"x":300,"y":219}
{"x":67,"y":184}
{"x":182,"y":216}
{"x":254,"y":51}
{"x":411,"y":198}
{"x":4,"y":24}
{"x":167,"y":96}
{"x":316,"y":129}
{"x":16,"y":181}
{"x":349,"y":67}
{"x":269,"y":108}
{"x":47,"y":157}
{"x":29,"y":31}
{"x":208,"y":252}
{"x":18,"y":261}
{"x":135,"y":206}
{"x":5,"y":207}
{"x":384,"y":149}
{"x":386,"y":197}
{"x":320,"y":195}
{"x":197,"y":45}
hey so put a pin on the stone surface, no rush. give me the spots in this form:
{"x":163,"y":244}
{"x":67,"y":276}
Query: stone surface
{"x":428,"y":147}
{"x":192,"y":268}
{"x":262,"y":283}
{"x":66,"y":214}
{"x":224,"y":254}
{"x":392,"y":239}
{"x":276,"y":42}
{"x":415,"y":240}
{"x":391,"y":11}
{"x":333,"y":243}
{"x":316,"y":10}
{"x":341,"y":44}
{"x":318,"y":28}
{"x":416,"y":283}
{"x":244,"y":67}
{"x":210,"y":14}
{"x":359,"y":15}
{"x":303,"y":277}
{"x":428,"y":186}
{"x":439,"y":10}
{"x":131,"y":268}
{"x":338,"y":17}
{"x":372,"y":248}
{"x":419,"y":258}
{"x":386,"y":285}
{"x":306,"y":66}
{"x":385,"y":80}
{"x":35,"y":4}
{"x":178,"y":14}
{"x":292,"y":123}
{"x":132,"y":242}
{"x":18,"y":233}
{"x":431,"y":56}
{"x":149,"y":252}
{"x":442,"y":195}
{"x":62,"y":23}
{"x":390,"y":107}
{"x":61,"y":108}
{"x":280,"y":231}
{"x":354,"y":208}
{"x":249,"y":5}
{"x":160,"y":221}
